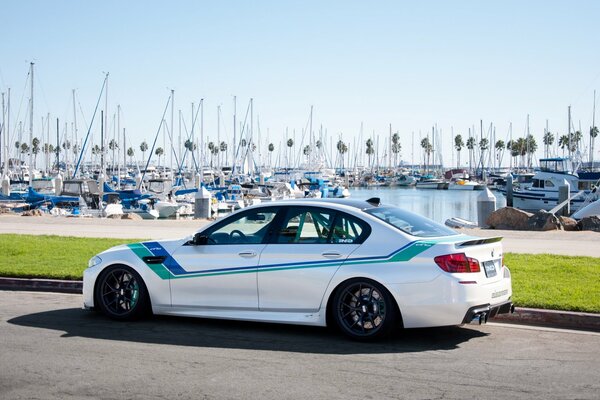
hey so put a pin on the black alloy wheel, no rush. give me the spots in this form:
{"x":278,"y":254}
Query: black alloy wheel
{"x":121,"y":293}
{"x":364,"y":310}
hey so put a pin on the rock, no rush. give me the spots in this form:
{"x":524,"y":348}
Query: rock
{"x":116,"y":216}
{"x":509,"y":218}
{"x":131,"y":216}
{"x":589,"y":223}
{"x":543,"y":221}
{"x":32,"y":213}
{"x":568,"y":224}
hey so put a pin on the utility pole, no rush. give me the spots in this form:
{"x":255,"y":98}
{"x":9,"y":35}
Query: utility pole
{"x":31,"y":126}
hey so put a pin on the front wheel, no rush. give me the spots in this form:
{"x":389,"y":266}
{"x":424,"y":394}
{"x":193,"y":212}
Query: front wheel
{"x":121,"y":293}
{"x":364,"y":310}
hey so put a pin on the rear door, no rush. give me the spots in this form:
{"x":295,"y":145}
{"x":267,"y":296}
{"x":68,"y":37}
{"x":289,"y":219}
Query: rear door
{"x":302,"y":256}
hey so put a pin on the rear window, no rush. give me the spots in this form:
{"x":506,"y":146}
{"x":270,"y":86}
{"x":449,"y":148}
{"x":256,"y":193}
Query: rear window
{"x":410,"y":223}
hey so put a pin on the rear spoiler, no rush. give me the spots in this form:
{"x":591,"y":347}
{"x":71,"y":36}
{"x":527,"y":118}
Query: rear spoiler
{"x":477,"y":242}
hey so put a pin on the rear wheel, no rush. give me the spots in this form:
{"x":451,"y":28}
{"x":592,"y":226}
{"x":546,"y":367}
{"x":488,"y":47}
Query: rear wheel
{"x":364,"y":310}
{"x":121,"y":293}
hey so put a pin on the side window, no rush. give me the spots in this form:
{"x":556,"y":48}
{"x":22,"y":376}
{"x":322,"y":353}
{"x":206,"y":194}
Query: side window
{"x":248,"y":228}
{"x":348,"y":230}
{"x":305,"y":225}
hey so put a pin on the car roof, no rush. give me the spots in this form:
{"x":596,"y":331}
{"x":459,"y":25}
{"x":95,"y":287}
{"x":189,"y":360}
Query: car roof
{"x":358,"y":204}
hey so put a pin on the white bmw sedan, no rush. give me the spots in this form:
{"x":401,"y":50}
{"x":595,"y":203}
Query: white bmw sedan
{"x":364,"y":267}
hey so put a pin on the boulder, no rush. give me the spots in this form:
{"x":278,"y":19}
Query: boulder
{"x":32,"y":213}
{"x":568,"y":224}
{"x":509,"y":218}
{"x":543,"y":221}
{"x":131,"y":216}
{"x":589,"y":223}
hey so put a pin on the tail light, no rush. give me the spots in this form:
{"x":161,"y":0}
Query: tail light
{"x":457,"y":263}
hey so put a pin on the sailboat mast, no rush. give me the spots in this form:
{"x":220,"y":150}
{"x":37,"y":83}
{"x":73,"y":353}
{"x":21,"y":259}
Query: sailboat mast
{"x":31,"y":124}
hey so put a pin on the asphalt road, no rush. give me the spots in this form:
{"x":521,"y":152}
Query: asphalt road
{"x":52,"y":349}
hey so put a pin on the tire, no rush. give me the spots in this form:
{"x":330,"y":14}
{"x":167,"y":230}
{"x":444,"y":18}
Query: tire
{"x":364,"y":310}
{"x":121,"y":294}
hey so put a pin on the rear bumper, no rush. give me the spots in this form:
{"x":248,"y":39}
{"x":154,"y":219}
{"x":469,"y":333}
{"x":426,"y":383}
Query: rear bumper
{"x":481,"y":314}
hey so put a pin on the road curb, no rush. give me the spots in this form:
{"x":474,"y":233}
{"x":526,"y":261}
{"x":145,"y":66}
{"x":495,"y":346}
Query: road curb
{"x":41,"y":285}
{"x":524,"y":316}
{"x":552,"y":318}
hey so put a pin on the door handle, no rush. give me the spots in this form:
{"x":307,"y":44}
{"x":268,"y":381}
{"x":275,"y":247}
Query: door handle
{"x":247,"y":254}
{"x":331,"y":254}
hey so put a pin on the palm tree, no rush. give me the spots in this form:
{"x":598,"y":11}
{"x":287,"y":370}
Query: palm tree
{"x":563,"y":143}
{"x":500,"y":146}
{"x":113,"y":145}
{"x":548,"y":141}
{"x":471,"y":147}
{"x":159,"y":152}
{"x":458,"y":145}
{"x":307,"y":151}
{"x":290,"y":143}
{"x":143,"y":149}
{"x":223,"y":148}
{"x":342,"y":149}
{"x":428,"y":148}
{"x":271,"y":148}
{"x":370,"y":150}
{"x":35,"y":149}
{"x":130,"y":153}
{"x":484,"y":144}
{"x":396,"y":147}
{"x":530,"y":148}
{"x":593,"y":135}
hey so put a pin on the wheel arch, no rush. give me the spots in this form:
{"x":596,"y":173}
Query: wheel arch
{"x":329,"y":305}
{"x":120,"y":264}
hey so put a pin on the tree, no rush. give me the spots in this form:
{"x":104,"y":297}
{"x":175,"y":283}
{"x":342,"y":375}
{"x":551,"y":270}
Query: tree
{"x":428,"y":149}
{"x":290,"y":143}
{"x":342,"y":148}
{"x":458,"y":145}
{"x":144,"y":149}
{"x":500,"y":146}
{"x":159,"y":152}
{"x":548,"y":140}
{"x":484,"y":144}
{"x":113,"y":145}
{"x":271,"y":148}
{"x":396,"y":147}
{"x":223,"y":148}
{"x":130,"y":153}
{"x":530,"y":148}
{"x":307,"y":150}
{"x":471,"y":147}
{"x":370,"y":150}
{"x":35,"y":149}
{"x":563,"y":143}
{"x":593,"y":135}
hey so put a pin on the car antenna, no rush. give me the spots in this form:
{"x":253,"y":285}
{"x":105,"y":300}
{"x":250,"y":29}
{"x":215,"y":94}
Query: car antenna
{"x":375,"y":201}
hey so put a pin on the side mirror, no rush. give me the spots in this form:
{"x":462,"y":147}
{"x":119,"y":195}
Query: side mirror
{"x":200,"y":239}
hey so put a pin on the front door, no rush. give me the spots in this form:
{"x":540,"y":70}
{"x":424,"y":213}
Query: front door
{"x":221,"y":274}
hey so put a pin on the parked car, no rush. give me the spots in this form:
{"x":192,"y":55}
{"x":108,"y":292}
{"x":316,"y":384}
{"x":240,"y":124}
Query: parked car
{"x":362,"y":266}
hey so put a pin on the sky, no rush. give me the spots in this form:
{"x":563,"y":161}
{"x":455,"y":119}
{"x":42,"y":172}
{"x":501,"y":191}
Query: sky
{"x":414,"y":65}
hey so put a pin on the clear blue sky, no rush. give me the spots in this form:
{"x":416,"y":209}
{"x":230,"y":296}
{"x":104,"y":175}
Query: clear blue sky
{"x":411,"y":64}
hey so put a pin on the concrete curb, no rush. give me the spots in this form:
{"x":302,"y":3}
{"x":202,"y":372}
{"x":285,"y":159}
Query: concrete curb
{"x":41,"y":285}
{"x":552,"y":318}
{"x":524,"y":316}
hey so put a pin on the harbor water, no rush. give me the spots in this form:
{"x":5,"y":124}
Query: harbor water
{"x":438,"y":205}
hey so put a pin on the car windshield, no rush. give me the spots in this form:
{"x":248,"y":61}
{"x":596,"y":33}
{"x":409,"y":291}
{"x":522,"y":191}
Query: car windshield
{"x":409,"y":222}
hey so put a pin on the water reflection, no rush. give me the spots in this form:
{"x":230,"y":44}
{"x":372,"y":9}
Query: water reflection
{"x":438,"y":205}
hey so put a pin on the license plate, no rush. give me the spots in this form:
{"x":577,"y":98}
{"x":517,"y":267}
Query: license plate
{"x":490,"y":268}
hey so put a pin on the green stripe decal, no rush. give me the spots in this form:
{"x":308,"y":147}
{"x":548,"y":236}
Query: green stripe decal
{"x":404,"y":254}
{"x":141,"y":251}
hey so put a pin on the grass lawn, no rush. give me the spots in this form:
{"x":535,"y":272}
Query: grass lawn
{"x":57,"y":257}
{"x":539,"y":280}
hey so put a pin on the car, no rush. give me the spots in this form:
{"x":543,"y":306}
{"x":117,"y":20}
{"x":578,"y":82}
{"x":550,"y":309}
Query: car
{"x":364,"y":267}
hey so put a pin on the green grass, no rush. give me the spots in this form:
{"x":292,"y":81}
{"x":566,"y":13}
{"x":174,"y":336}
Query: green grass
{"x":555,"y":282}
{"x":56,"y":257}
{"x":539,"y":280}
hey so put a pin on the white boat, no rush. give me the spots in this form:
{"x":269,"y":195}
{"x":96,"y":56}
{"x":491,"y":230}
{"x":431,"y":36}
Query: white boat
{"x":464,"y":184}
{"x":590,"y":210}
{"x":543,"y":192}
{"x":431,"y":184}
